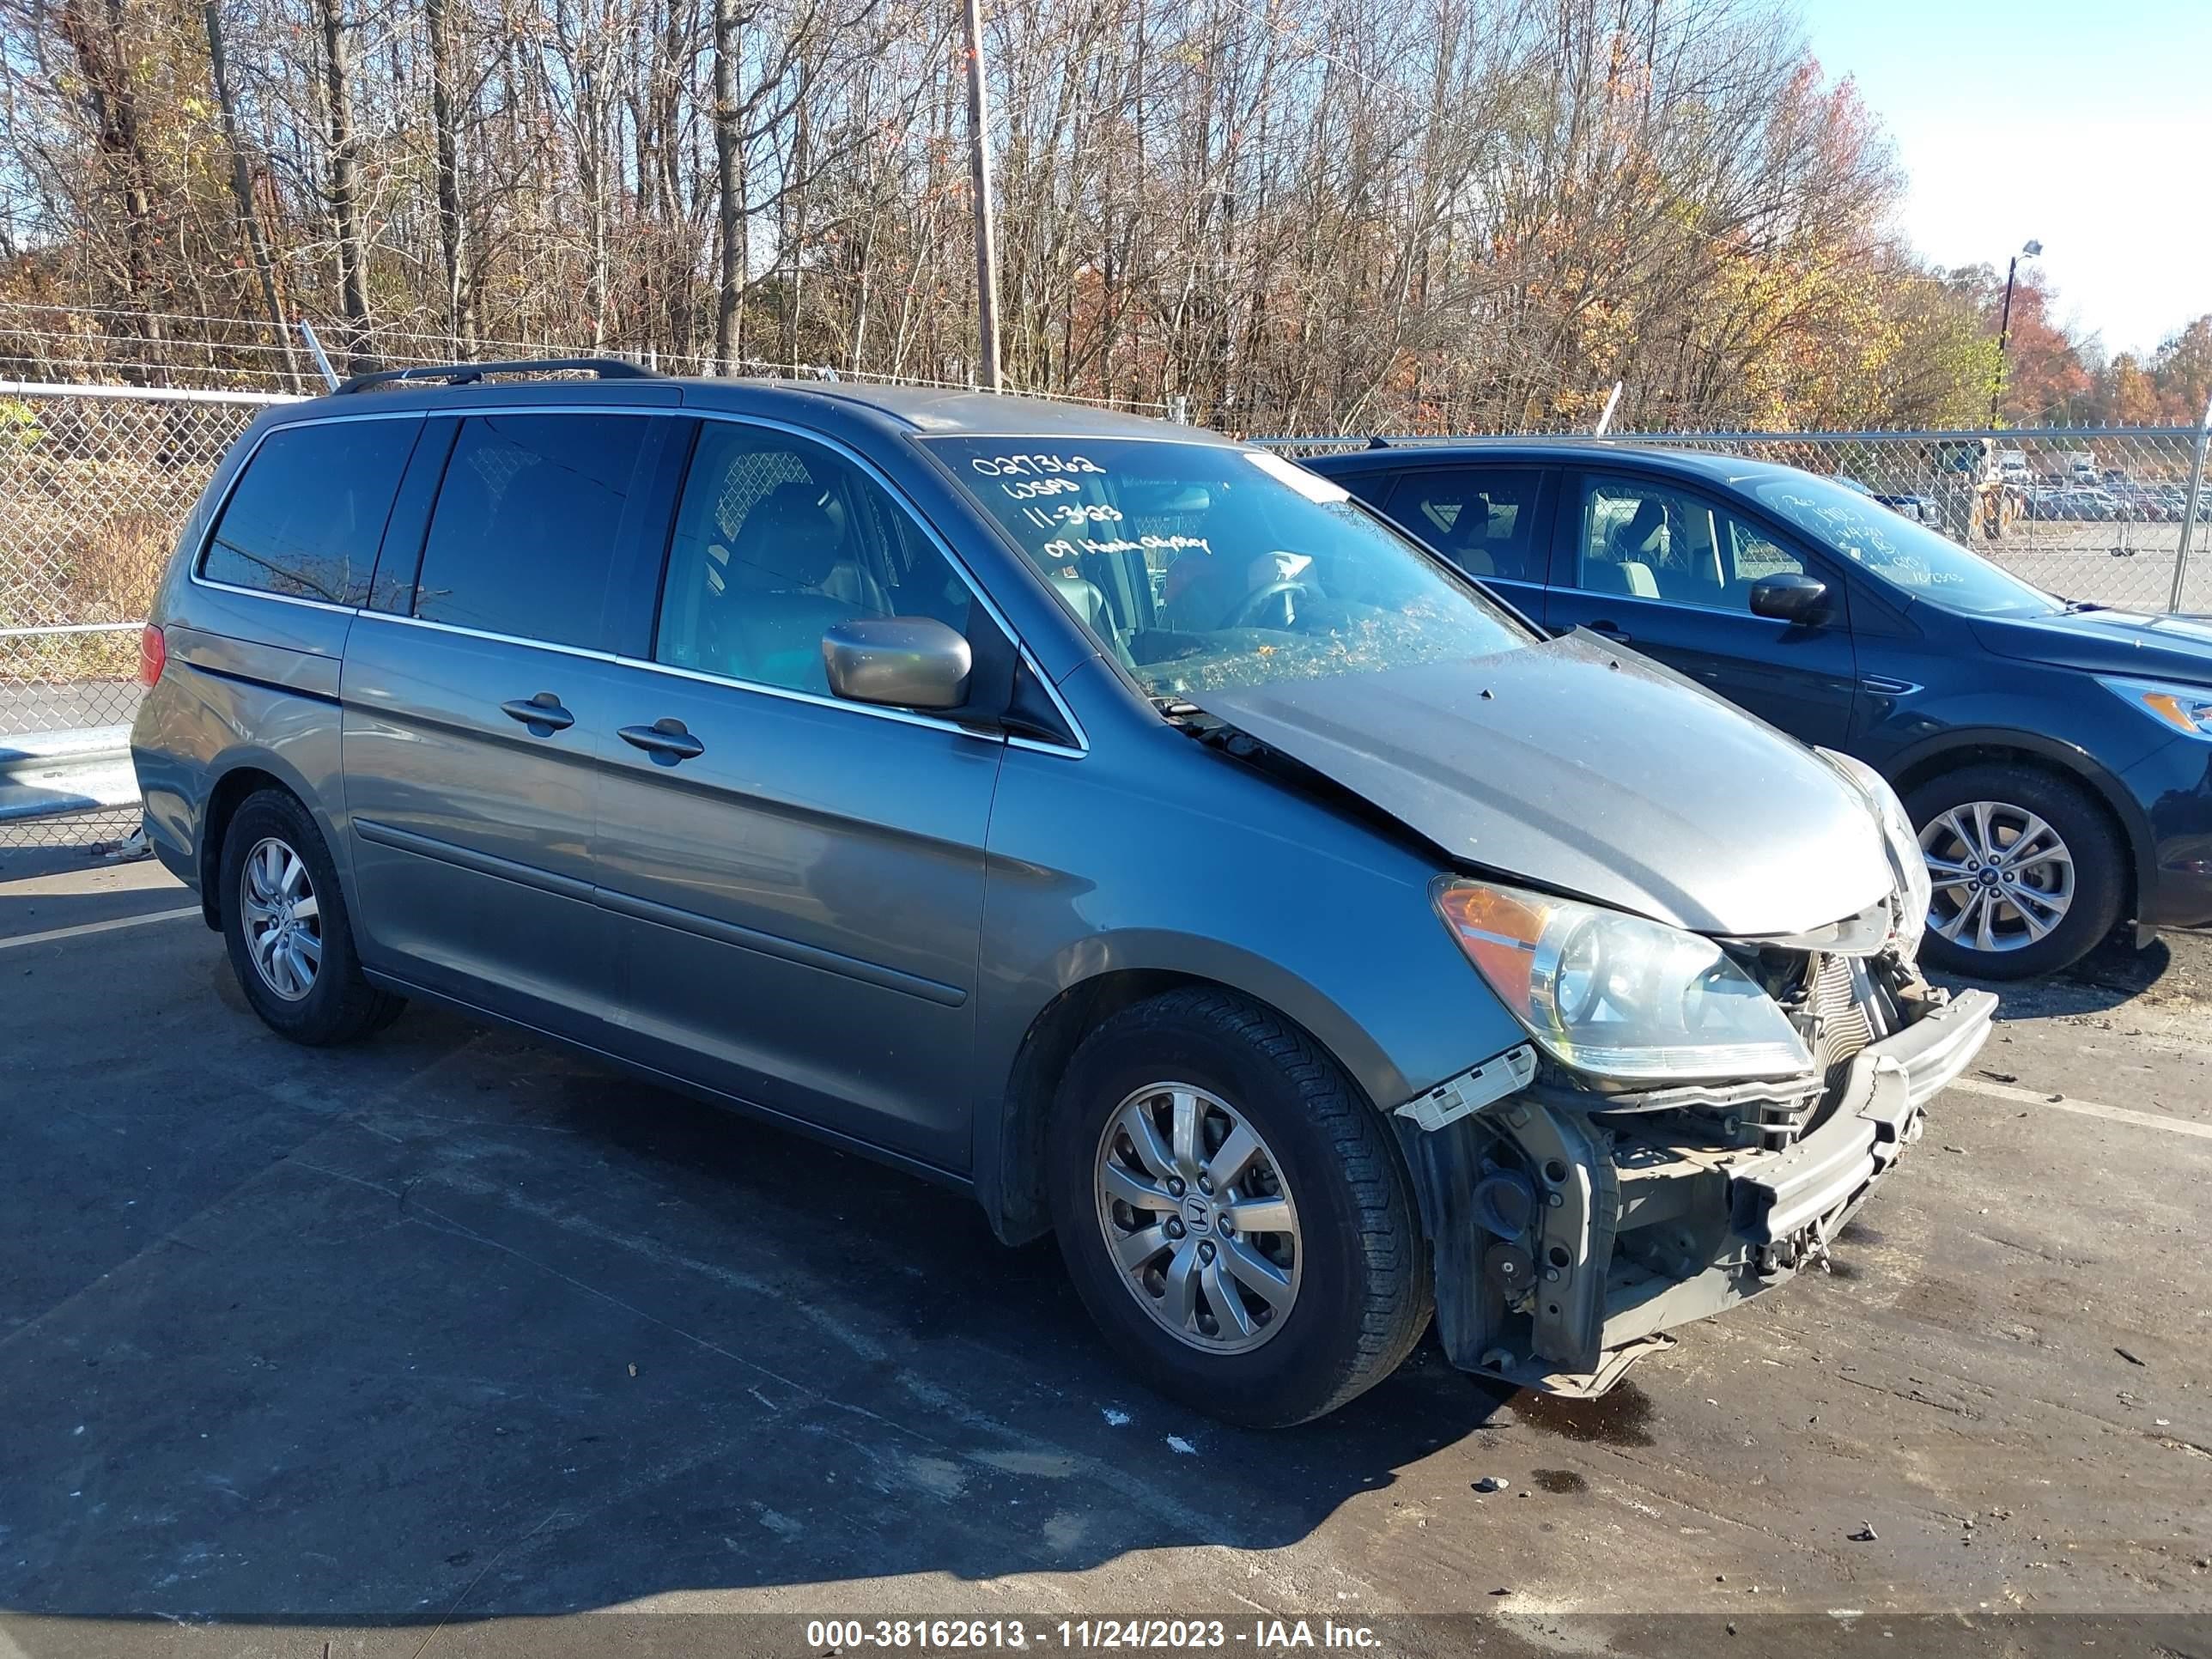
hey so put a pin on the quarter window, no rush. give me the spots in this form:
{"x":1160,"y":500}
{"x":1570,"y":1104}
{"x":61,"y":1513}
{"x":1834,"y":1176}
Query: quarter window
{"x":309,"y":510}
{"x":1647,"y":542}
{"x":525,"y":530}
{"x":1482,"y":519}
{"x":778,"y":539}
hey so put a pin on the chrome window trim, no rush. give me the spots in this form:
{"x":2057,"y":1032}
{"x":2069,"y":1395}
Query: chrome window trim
{"x":214,"y":586}
{"x":905,"y":716}
{"x":485,"y":634}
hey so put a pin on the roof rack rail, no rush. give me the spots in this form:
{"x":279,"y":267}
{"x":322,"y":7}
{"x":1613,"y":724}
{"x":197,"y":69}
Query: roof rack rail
{"x":607,"y":368}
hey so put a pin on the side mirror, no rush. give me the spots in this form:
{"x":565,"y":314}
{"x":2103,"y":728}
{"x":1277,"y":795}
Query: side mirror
{"x":909,"y":662}
{"x":1790,"y":597}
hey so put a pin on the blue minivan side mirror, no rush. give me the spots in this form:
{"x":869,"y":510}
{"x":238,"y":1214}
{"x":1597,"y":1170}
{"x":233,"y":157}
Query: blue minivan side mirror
{"x":911,"y":662}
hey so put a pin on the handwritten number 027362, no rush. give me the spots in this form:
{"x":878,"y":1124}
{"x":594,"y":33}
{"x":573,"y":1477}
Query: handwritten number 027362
{"x":1032,"y":466}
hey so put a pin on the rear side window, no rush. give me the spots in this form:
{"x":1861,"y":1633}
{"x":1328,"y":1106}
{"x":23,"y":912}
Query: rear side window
{"x":309,"y":510}
{"x":525,"y":530}
{"x":1482,"y":518}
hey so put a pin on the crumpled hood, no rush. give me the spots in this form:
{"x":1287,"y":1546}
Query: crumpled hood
{"x":1590,"y":769}
{"x":2106,"y":643}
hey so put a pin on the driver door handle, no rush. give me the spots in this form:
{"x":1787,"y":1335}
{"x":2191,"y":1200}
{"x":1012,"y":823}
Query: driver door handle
{"x":1611,"y":630}
{"x":666,"y":740}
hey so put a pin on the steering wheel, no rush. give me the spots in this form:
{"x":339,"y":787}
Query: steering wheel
{"x":1253,"y":601}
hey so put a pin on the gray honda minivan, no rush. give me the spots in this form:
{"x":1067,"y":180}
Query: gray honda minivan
{"x":1112,"y":820}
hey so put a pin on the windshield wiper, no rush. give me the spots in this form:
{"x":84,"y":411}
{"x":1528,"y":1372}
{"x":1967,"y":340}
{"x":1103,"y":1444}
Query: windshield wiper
{"x":2073,"y":607}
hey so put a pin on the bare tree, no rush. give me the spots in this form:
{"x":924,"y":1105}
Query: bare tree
{"x":344,"y":188}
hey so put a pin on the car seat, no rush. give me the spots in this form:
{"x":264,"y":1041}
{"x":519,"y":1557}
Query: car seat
{"x":783,"y":561}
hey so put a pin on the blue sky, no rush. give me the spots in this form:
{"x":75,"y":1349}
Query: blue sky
{"x":2086,"y":126}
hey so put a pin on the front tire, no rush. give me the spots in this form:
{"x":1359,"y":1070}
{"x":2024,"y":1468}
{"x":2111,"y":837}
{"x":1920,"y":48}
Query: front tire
{"x":1232,"y":1212}
{"x":284,"y":921}
{"x":2029,"y":872}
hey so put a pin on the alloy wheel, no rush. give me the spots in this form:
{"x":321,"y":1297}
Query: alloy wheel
{"x":1196,"y":1215}
{"x":2002,"y":878}
{"x":283,"y":919}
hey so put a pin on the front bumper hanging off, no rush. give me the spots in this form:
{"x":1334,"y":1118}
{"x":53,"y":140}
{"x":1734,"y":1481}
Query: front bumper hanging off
{"x":1627,"y":1231}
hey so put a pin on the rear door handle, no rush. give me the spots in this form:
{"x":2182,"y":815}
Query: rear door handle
{"x":1610,"y":630}
{"x":666,"y":740}
{"x":542,"y":714}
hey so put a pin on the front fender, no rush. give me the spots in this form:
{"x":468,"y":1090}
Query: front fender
{"x":1178,"y":863}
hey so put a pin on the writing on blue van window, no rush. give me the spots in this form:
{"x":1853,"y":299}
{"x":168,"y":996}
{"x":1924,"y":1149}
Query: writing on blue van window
{"x":1007,"y":466}
{"x":1047,"y":518}
{"x":1066,"y":548}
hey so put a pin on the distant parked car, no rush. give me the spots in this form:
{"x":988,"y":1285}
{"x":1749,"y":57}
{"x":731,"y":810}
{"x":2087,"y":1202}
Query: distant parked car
{"x":2147,"y":502}
{"x":2056,"y":757}
{"x":1919,"y":508}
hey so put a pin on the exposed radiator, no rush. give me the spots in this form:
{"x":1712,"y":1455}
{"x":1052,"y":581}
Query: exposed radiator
{"x":1839,"y":1003}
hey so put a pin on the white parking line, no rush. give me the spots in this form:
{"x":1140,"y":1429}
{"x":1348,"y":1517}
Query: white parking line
{"x":2083,"y":1107}
{"x":81,"y":929}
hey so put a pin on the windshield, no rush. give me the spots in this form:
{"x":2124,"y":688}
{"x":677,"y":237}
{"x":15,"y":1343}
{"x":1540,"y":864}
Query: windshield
{"x":1197,"y":565}
{"x":1927,"y":565}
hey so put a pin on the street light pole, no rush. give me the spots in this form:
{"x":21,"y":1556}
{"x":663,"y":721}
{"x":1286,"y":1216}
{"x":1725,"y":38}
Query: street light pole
{"x":2004,"y":327}
{"x":979,"y":169}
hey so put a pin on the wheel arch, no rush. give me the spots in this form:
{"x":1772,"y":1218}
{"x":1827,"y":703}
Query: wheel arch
{"x":1009,"y":1164}
{"x":1953,"y":751}
{"x":240,"y":779}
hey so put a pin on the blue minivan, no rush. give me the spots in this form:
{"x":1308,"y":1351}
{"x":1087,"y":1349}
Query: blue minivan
{"x":1111,"y":823}
{"x":2056,"y":757}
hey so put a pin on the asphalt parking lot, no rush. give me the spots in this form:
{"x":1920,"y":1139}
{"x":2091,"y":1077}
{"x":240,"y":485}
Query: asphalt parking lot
{"x":389,"y":1347}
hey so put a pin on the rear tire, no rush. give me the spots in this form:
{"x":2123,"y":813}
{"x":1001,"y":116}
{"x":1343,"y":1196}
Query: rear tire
{"x":1328,"y":1288}
{"x":2045,"y":907}
{"x":284,"y":921}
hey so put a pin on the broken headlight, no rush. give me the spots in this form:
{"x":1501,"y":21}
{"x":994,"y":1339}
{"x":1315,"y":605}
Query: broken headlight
{"x":1616,"y":995}
{"x":1906,"y":861}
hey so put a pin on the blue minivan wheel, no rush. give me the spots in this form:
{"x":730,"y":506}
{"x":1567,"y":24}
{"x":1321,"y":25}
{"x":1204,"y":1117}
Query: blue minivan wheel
{"x":1233,"y":1212}
{"x":285,"y":923}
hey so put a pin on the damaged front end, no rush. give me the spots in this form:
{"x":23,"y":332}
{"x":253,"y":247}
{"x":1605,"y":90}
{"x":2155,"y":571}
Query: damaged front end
{"x":1576,"y":1219}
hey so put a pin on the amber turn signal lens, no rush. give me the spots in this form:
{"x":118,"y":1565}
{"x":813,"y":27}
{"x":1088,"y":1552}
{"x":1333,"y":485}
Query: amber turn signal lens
{"x":1497,"y":932}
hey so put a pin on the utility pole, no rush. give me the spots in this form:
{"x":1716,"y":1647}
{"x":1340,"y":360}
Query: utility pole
{"x":2004,"y":326}
{"x":979,"y":169}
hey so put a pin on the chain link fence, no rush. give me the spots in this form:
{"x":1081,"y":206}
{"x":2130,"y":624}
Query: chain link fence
{"x":95,"y":480}
{"x":94,"y":483}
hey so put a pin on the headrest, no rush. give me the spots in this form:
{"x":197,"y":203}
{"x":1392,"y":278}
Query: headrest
{"x":1649,"y":515}
{"x":789,"y":539}
{"x":1084,"y":598}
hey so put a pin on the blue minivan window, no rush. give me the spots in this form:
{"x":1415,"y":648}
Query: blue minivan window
{"x":1199,"y":566}
{"x":523,"y":532}
{"x":1928,"y":566}
{"x":308,"y":512}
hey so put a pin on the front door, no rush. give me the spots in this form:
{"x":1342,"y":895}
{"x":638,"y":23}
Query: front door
{"x":795,"y":884}
{"x":1668,"y":572}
